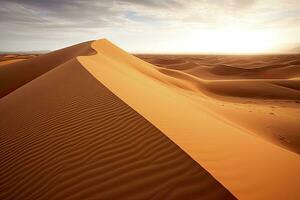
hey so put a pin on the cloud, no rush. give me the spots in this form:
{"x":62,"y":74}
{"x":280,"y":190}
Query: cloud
{"x":67,"y":14}
{"x":62,"y":22}
{"x":154,"y":3}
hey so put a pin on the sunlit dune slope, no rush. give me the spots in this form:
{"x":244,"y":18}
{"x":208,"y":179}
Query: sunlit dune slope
{"x":64,"y":135}
{"x":237,"y":76}
{"x":267,"y":103}
{"x":251,"y":88}
{"x":15,"y":75}
{"x":249,"y":166}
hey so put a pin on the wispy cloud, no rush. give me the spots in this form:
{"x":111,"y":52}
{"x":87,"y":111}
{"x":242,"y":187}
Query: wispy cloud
{"x":56,"y":23}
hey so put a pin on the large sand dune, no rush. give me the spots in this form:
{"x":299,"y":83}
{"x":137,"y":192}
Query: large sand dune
{"x":249,"y":166}
{"x":109,"y":125}
{"x":17,"y":74}
{"x":65,"y":136}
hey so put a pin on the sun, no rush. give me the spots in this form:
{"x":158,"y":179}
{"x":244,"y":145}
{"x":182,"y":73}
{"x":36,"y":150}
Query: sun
{"x":240,"y":41}
{"x":234,"y":40}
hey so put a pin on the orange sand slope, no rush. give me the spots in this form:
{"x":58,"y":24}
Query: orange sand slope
{"x":14,"y":75}
{"x":65,"y":136}
{"x":260,"y":93}
{"x":213,"y":128}
{"x":65,"y":133}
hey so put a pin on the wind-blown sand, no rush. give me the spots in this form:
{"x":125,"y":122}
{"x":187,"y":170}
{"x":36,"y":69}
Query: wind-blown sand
{"x":108,"y":126}
{"x":66,"y":136}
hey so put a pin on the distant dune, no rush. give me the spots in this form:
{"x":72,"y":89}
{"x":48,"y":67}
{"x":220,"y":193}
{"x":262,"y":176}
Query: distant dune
{"x":13,"y":58}
{"x":92,"y":121}
{"x":295,"y":50}
{"x":6,"y":62}
{"x":261,"y":93}
{"x":17,"y":74}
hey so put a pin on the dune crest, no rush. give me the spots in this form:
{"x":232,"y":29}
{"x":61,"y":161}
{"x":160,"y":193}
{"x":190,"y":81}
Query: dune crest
{"x":64,"y":135}
{"x":250,"y":167}
{"x":15,"y":75}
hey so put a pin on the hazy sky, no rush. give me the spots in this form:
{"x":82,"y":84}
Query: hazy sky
{"x":151,"y":26}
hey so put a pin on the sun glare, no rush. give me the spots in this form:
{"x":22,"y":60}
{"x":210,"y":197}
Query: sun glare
{"x":233,"y":41}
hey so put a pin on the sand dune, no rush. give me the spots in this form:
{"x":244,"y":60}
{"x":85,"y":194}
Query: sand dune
{"x":251,"y":168}
{"x":251,"y":88}
{"x":13,"y":58}
{"x":230,"y":67}
{"x":6,"y":62}
{"x":266,"y":106}
{"x":92,"y":121}
{"x":17,"y":74}
{"x":65,"y":136}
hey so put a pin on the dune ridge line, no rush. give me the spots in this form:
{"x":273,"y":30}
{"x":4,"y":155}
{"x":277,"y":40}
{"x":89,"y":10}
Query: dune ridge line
{"x":64,"y":135}
{"x":248,"y":166}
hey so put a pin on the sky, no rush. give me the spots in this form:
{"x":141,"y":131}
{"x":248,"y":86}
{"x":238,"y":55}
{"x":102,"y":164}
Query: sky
{"x":152,"y":26}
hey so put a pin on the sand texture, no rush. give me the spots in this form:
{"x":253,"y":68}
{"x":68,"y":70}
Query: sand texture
{"x":260,"y":93}
{"x":248,"y":164}
{"x":15,"y":75}
{"x":92,"y":121}
{"x":66,"y":136}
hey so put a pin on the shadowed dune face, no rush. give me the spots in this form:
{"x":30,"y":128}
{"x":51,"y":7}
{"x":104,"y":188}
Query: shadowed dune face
{"x":65,"y":136}
{"x":15,"y":75}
